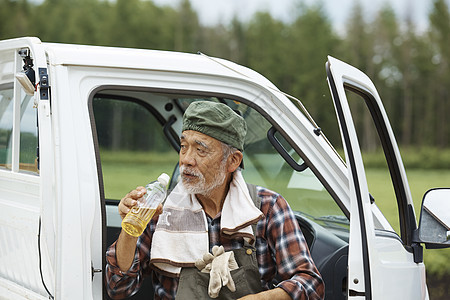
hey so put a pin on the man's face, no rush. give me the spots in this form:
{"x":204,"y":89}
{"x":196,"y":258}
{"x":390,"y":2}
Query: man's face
{"x":202,"y":166}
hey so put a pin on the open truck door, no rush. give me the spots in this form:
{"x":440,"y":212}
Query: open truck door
{"x":381,"y":264}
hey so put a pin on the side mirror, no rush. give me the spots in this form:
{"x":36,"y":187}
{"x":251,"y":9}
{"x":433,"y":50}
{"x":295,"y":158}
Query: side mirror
{"x":434,"y":224}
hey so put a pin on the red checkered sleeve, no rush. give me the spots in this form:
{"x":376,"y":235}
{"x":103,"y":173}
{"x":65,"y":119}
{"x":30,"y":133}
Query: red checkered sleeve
{"x":124,"y":284}
{"x":283,"y":251}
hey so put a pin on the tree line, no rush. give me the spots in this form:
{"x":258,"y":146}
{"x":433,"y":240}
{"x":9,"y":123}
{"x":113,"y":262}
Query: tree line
{"x":410,"y":68}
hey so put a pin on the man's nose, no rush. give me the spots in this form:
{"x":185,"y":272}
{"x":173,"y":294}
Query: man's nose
{"x":188,"y":158}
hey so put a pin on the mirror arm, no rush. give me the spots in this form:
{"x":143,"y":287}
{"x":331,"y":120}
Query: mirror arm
{"x":415,"y":237}
{"x":417,"y":252}
{"x":416,"y":246}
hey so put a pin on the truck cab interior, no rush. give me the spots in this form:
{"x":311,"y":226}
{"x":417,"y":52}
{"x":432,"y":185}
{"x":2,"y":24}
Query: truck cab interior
{"x":136,"y":133}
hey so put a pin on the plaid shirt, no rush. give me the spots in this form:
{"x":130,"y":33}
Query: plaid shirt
{"x":281,"y":252}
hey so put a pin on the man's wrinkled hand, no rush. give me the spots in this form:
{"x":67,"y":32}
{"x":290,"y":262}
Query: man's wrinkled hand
{"x":131,"y":199}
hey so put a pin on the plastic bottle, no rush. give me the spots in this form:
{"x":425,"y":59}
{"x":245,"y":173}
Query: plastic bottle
{"x":138,"y":217}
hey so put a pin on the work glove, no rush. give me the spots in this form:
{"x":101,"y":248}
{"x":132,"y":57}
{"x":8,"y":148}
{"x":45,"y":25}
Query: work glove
{"x":204,"y":264}
{"x":219,"y":265}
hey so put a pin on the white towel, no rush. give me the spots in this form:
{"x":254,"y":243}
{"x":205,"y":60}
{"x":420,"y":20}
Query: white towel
{"x":181,"y":235}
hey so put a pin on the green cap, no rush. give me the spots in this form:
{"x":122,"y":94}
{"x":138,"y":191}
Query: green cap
{"x":216,"y":120}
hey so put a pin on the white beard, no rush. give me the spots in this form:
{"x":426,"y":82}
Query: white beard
{"x":201,"y":187}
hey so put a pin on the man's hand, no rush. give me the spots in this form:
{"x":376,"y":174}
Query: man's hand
{"x":131,"y":199}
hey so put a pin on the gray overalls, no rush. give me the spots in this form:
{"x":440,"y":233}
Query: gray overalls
{"x":193,"y":284}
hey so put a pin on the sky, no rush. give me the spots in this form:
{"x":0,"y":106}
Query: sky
{"x":211,"y":12}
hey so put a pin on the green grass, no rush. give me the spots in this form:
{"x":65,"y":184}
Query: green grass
{"x":124,"y":171}
{"x":419,"y":181}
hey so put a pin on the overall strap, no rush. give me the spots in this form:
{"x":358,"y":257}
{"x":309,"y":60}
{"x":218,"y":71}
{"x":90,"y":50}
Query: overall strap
{"x":256,"y":201}
{"x":254,"y":195}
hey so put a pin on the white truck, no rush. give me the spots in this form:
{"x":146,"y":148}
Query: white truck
{"x":82,"y":125}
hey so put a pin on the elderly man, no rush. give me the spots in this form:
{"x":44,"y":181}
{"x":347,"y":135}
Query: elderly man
{"x":214,"y":239}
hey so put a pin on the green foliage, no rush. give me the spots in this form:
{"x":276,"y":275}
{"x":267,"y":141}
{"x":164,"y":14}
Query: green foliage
{"x":264,"y":31}
{"x":411,"y":69}
{"x":14,"y":19}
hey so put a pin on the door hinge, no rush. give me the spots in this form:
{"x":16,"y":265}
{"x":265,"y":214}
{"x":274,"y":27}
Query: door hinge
{"x":44,"y":84}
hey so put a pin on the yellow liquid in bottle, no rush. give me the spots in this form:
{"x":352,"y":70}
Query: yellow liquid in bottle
{"x":137,"y":219}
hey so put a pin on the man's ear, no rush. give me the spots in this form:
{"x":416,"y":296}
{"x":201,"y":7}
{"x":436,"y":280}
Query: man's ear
{"x":234,"y":161}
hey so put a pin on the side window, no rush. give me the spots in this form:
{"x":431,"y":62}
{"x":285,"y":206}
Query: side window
{"x":28,"y":134}
{"x":26,"y":144}
{"x":6,"y":107}
{"x":6,"y":123}
{"x":133,"y":149}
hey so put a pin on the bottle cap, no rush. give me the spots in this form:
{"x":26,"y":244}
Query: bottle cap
{"x":164,"y":179}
